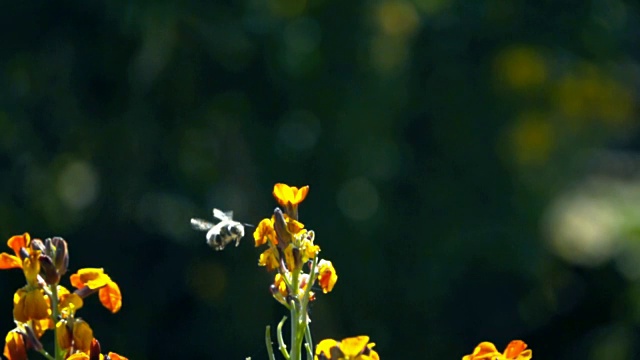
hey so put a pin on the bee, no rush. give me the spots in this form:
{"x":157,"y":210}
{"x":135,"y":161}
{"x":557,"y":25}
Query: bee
{"x":221,"y":234}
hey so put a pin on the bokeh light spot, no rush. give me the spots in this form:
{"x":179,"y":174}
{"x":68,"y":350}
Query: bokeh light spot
{"x":358,"y":199}
{"x":287,"y":8}
{"x":532,"y":139}
{"x":521,"y":67}
{"x":77,"y":185}
{"x":299,"y":131}
{"x":583,"y":228}
{"x":398,"y":18}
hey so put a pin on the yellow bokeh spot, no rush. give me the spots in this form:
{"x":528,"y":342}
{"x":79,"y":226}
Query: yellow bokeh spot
{"x":521,"y":67}
{"x":388,"y":54}
{"x":589,"y":94}
{"x":287,"y":8}
{"x":532,"y":139}
{"x":398,"y":18}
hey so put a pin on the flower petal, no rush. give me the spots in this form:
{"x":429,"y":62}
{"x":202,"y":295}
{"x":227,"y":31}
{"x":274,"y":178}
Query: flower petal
{"x":9,"y":262}
{"x":19,"y":241}
{"x":14,"y":346}
{"x":94,"y":278}
{"x":514,"y":349}
{"x":283,"y":193}
{"x":354,"y":346}
{"x":114,"y":356}
{"x":110,"y":297}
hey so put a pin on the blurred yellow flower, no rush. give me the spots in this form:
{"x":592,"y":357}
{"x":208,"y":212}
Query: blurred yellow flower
{"x":487,"y":351}
{"x":521,"y":67}
{"x":354,"y":348}
{"x":532,"y":138}
{"x":327,"y":276}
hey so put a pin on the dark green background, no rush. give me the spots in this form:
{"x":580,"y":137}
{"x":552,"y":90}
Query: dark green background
{"x":437,"y":136}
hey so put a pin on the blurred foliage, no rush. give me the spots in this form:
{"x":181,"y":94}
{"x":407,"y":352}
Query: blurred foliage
{"x":473,"y":166}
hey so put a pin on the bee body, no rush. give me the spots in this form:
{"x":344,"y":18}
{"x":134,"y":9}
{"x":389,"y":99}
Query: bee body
{"x":221,"y":234}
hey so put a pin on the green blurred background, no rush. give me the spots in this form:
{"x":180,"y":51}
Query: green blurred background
{"x":473,"y":165}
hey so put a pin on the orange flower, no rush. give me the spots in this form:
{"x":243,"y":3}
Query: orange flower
{"x":327,"y":276}
{"x":289,"y":195}
{"x":487,"y":351}
{"x":14,"y":346}
{"x":355,"y":348}
{"x":108,"y":290}
{"x":16,"y":243}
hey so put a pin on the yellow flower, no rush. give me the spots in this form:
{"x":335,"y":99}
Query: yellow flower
{"x":63,"y":334}
{"x":14,"y":346}
{"x":31,"y":268}
{"x":487,"y":351}
{"x":265,"y":232}
{"x":84,"y":356}
{"x":114,"y":356}
{"x":96,"y":279}
{"x":270,"y":259}
{"x":79,"y":356}
{"x":355,"y":348}
{"x":68,"y":303}
{"x":290,"y":257}
{"x":16,"y":243}
{"x":95,"y":353}
{"x":40,"y":326}
{"x":30,"y":303}
{"x":308,"y":249}
{"x":327,"y":276}
{"x":289,"y":195}
{"x":281,"y":285}
{"x":82,"y":335}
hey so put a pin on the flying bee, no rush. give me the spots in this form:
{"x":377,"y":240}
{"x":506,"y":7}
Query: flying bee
{"x":221,"y":234}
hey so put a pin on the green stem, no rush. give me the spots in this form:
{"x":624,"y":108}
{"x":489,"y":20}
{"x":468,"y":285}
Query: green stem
{"x":281,"y":345}
{"x":295,"y":349}
{"x":46,"y":354}
{"x":267,"y":339}
{"x":54,"y":316}
{"x":309,"y":344}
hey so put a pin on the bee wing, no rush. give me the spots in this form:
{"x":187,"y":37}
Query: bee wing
{"x":220,"y":215}
{"x":200,"y":224}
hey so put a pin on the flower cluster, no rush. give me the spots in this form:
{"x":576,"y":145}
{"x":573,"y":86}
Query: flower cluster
{"x":43,"y":304}
{"x":516,"y":350}
{"x":290,"y":247}
{"x":292,"y":253}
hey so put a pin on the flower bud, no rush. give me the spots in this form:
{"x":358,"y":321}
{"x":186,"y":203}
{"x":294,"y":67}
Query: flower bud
{"x":61,"y":256}
{"x":51,"y":275}
{"x":95,"y":350}
{"x":36,"y":244}
{"x":280,"y":225}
